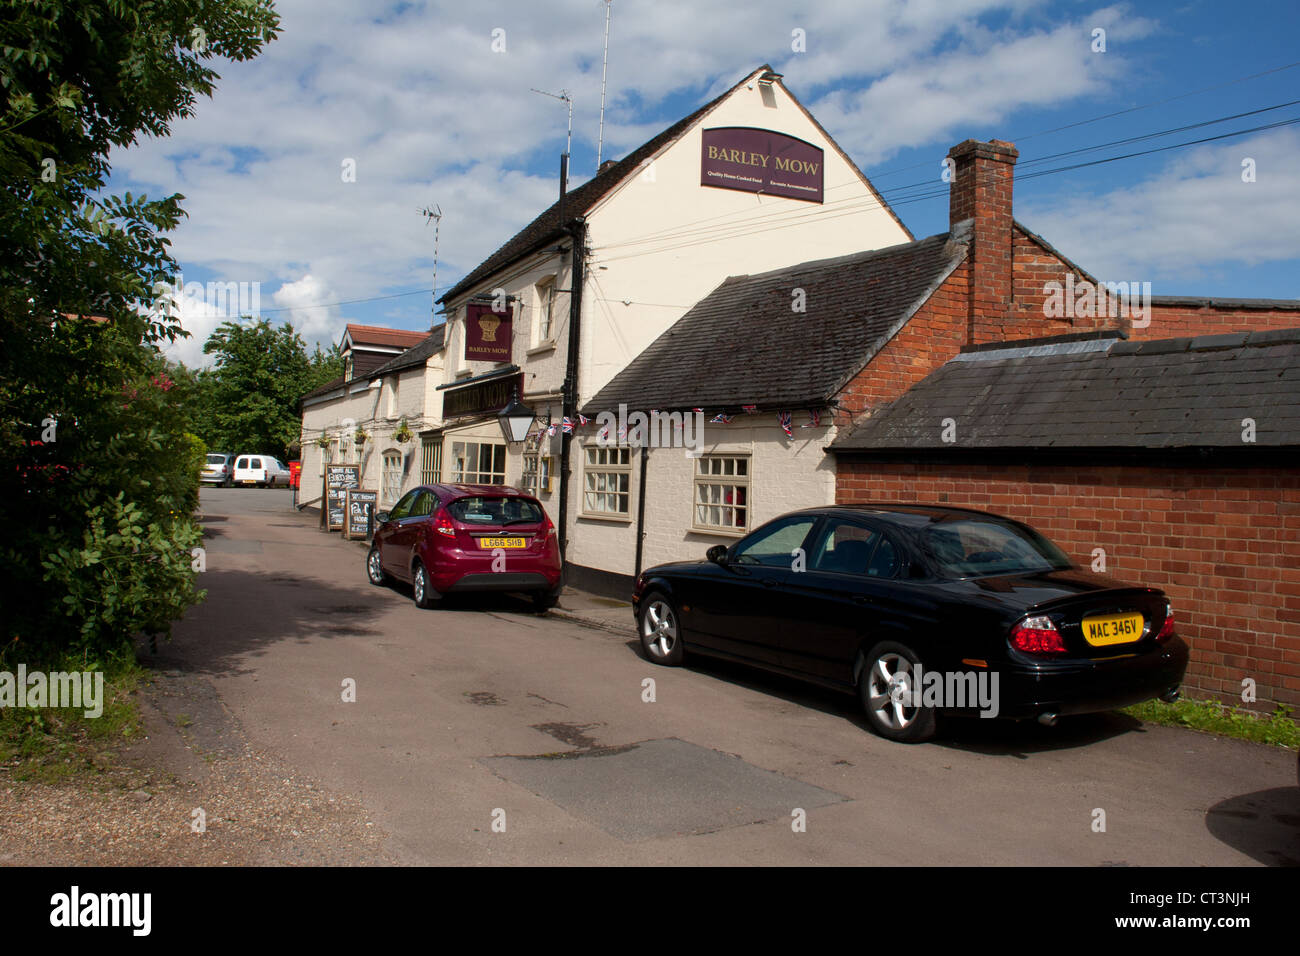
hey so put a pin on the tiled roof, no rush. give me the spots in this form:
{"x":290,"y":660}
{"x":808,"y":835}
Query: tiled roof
{"x":744,"y":344}
{"x":412,"y":357}
{"x":363,"y":335}
{"x":1100,"y":392}
{"x":548,"y":225}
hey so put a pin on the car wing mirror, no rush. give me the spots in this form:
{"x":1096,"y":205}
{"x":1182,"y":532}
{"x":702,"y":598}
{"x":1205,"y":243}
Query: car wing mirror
{"x":717,"y":554}
{"x":381,"y":517}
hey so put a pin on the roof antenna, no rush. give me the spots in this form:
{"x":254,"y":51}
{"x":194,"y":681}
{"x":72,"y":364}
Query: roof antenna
{"x":604,"y":66}
{"x":434,"y":215}
{"x":564,"y":96}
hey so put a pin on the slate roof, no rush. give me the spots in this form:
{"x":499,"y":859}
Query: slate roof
{"x":1098,"y":391}
{"x":323,"y":389}
{"x":743,"y":344}
{"x":412,"y":357}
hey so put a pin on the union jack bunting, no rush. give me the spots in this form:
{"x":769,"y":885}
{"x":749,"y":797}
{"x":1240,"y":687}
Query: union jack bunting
{"x":722,"y":417}
{"x":583,"y":419}
{"x":698,"y":410}
{"x":750,"y":409}
{"x":784,"y":419}
{"x":604,"y":432}
{"x":567,"y":424}
{"x":814,"y":419}
{"x":622,"y":434}
{"x":550,"y":430}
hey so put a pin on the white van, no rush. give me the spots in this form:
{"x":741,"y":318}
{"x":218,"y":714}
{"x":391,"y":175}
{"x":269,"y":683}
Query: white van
{"x":260,"y":470}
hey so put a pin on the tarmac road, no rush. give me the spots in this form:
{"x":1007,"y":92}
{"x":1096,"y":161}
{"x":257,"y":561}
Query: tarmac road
{"x":486,"y":734}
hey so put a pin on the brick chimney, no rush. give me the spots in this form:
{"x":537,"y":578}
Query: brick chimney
{"x":981,"y":191}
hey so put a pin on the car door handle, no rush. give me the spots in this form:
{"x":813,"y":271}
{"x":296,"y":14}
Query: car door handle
{"x":770,"y":582}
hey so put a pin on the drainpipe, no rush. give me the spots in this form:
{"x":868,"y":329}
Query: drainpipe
{"x":577,"y":231}
{"x":640,"y":509}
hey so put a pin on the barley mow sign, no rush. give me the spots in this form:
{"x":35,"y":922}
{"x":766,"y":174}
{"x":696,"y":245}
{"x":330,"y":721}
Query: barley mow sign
{"x":761,"y":161}
{"x":487,"y":333}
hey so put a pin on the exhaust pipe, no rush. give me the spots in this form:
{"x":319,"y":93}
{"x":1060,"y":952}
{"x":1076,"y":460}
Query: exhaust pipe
{"x":1170,"y":695}
{"x":1047,"y":719}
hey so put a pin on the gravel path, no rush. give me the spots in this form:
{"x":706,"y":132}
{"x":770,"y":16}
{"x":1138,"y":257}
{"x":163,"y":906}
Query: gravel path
{"x":136,"y":805}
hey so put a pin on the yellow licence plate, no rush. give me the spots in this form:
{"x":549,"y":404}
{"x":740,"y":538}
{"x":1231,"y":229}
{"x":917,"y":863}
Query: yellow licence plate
{"x":502,"y":543}
{"x":1104,"y":629}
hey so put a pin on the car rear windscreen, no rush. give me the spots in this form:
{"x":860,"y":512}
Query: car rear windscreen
{"x":967,"y":547}
{"x":492,"y":510}
{"x":216,"y":459}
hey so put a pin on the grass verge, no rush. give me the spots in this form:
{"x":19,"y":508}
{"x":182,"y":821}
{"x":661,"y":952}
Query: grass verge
{"x":50,"y":745}
{"x":1215,"y":717}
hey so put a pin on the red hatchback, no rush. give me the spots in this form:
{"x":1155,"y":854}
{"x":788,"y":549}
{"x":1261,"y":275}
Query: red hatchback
{"x":450,"y":539}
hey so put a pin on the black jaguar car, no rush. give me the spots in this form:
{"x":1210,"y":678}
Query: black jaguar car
{"x":923,"y":612}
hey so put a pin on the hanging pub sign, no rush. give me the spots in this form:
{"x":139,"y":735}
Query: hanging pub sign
{"x":487,"y":333}
{"x":338,"y":480}
{"x":361,"y":507}
{"x":761,"y":161}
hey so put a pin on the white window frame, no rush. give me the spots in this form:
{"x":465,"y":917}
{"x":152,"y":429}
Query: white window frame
{"x":717,"y":476}
{"x":602,"y":464}
{"x":547,"y":290}
{"x":537,"y":474}
{"x":391,"y":476}
{"x":471,"y":473}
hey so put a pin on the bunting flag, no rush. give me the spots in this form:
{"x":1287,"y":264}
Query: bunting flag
{"x":814,"y":418}
{"x":784,"y":419}
{"x":567,"y":424}
{"x":698,"y":411}
{"x":583,"y":419}
{"x":750,"y":409}
{"x":622,"y":434}
{"x":722,"y":418}
{"x":604,"y":433}
{"x":550,"y":430}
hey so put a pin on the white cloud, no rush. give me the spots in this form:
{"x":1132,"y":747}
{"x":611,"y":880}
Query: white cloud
{"x":1194,"y":219}
{"x":430,"y":114}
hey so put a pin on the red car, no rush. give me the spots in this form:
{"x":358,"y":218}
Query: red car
{"x":451,"y":539}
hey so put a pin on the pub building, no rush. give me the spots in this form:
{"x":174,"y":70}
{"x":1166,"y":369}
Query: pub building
{"x":748,"y":182}
{"x":739,"y":272}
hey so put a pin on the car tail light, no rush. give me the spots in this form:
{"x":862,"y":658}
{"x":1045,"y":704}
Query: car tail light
{"x":1167,"y":629}
{"x":1037,"y":635}
{"x":442,"y":524}
{"x":548,"y":529}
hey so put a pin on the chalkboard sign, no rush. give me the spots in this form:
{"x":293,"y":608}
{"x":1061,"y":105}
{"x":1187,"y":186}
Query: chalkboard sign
{"x":338,"y":480}
{"x":360,"y":506}
{"x":343,"y":476}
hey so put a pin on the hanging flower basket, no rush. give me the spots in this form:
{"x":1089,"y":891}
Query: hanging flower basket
{"x":360,"y":437}
{"x":403,"y":433}
{"x":323,"y":441}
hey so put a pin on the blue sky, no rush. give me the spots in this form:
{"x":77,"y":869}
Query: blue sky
{"x":415,"y":96}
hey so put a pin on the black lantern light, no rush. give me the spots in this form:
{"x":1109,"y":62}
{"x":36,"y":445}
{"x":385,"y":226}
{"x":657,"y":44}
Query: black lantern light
{"x":516,"y":419}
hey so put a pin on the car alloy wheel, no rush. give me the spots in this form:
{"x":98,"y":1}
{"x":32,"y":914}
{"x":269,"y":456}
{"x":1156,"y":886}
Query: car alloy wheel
{"x":422,"y":590}
{"x":660,"y":634}
{"x":886,"y":681}
{"x":375,"y":567}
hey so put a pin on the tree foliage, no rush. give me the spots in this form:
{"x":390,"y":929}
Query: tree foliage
{"x":98,"y":474}
{"x":250,"y":395}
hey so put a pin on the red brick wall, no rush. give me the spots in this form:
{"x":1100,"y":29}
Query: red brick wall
{"x":1223,"y":544}
{"x":932,"y":336}
{"x":1175,"y":322}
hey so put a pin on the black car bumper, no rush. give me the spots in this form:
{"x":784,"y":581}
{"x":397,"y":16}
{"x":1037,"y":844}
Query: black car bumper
{"x":1087,"y":687}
